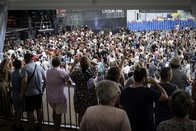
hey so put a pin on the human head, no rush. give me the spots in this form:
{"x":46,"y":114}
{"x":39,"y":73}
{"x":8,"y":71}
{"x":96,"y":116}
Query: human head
{"x":140,"y":75}
{"x":175,"y":62}
{"x":180,"y":103}
{"x":5,"y":64}
{"x":113,"y":74}
{"x":107,"y":92}
{"x":166,"y":74}
{"x":137,"y":65}
{"x":114,"y":63}
{"x":84,"y":62}
{"x":17,"y":64}
{"x":28,"y":57}
{"x":56,"y":61}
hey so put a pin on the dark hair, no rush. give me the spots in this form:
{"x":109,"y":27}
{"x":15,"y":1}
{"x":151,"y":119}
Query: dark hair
{"x":56,"y":61}
{"x":180,"y":103}
{"x":28,"y":57}
{"x":113,"y":74}
{"x":174,"y":66}
{"x":165,"y":72}
{"x":17,"y":64}
{"x":139,"y":74}
{"x":84,"y":62}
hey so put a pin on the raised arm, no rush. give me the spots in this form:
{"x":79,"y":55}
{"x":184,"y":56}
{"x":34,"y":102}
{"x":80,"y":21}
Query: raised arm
{"x":164,"y":95}
{"x":76,"y":61}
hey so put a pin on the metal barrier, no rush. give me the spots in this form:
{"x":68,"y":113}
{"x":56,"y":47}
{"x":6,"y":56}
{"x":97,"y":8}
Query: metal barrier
{"x":69,"y":120}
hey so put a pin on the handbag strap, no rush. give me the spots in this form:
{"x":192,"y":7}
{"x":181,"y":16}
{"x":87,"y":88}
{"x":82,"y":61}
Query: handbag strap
{"x":31,"y":75}
{"x":7,"y":87}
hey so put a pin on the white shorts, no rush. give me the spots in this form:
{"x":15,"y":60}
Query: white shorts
{"x":59,"y":108}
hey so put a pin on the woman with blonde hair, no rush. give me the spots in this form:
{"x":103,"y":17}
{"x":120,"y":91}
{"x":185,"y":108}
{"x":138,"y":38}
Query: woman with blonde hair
{"x":5,"y":104}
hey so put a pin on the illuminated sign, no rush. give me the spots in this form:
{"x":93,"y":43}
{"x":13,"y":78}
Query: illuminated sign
{"x":111,"y":11}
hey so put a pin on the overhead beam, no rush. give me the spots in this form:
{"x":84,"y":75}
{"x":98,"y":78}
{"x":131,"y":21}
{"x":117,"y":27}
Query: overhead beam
{"x":100,"y":4}
{"x":3,"y":2}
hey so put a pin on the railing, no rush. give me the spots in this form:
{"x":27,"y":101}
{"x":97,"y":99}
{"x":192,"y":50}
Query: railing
{"x":69,"y":120}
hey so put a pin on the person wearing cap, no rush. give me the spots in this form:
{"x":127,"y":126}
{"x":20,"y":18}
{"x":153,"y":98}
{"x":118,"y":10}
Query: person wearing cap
{"x":179,"y":78}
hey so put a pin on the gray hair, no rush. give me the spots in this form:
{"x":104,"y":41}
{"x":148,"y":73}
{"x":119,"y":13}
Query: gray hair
{"x":105,"y":90}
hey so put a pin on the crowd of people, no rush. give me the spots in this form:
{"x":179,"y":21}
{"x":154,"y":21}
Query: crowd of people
{"x":132,"y":74}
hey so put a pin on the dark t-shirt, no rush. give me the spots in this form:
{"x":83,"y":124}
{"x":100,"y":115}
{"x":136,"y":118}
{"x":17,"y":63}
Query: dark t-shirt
{"x":138,"y":103}
{"x":162,"y":110}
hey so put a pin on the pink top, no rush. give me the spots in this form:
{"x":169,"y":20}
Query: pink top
{"x":55,"y":84}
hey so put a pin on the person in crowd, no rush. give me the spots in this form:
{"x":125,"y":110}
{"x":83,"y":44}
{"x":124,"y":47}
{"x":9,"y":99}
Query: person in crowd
{"x":100,"y":69}
{"x":84,"y":95}
{"x":114,"y":74}
{"x":180,"y":104}
{"x":188,"y":69}
{"x":142,"y":46}
{"x":104,"y":116}
{"x":126,"y":69}
{"x":45,"y":64}
{"x":5,"y":78}
{"x":152,"y":68}
{"x":193,"y":95}
{"x":57,"y":79}
{"x":179,"y":78}
{"x":33,"y":82}
{"x":17,"y":102}
{"x":162,"y":110}
{"x":137,"y":100}
{"x":130,"y":80}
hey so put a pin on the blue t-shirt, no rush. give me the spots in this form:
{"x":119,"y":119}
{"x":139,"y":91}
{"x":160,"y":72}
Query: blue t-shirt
{"x":34,"y":86}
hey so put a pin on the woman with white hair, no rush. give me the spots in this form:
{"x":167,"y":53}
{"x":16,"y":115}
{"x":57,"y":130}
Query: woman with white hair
{"x":105,"y":117}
